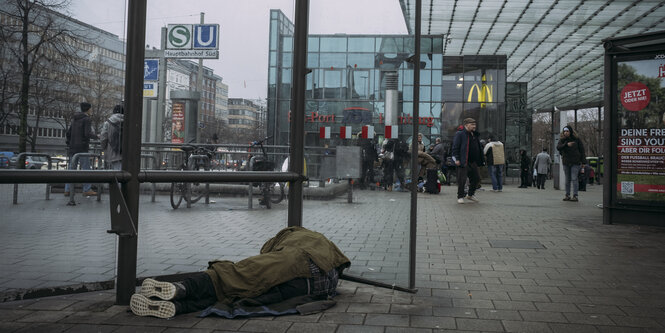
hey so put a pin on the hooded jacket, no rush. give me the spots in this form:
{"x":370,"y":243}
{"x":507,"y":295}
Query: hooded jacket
{"x":107,"y":131}
{"x":79,"y":134}
{"x":283,"y":258}
{"x":571,"y":155}
{"x":460,"y":149}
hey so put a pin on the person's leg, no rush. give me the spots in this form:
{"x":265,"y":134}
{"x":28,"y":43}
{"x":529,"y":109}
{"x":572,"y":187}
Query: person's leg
{"x":499,"y":177}
{"x":492,"y":171}
{"x":474,"y":178}
{"x":85,"y":165}
{"x":566,"y":174}
{"x":574,"y":171}
{"x":199,"y":294}
{"x":461,"y":181}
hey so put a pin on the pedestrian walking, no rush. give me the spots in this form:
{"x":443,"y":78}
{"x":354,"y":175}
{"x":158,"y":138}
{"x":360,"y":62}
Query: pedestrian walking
{"x":111,"y":139}
{"x":468,"y":156}
{"x":572,"y":154}
{"x":495,"y":157}
{"x":541,"y":167}
{"x":524,"y":169}
{"x":78,"y":138}
{"x":369,"y":156}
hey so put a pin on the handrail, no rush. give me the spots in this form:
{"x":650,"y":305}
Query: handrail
{"x":147,"y":176}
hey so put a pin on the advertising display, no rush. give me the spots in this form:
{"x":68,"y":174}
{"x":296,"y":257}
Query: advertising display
{"x":178,"y":123}
{"x":641,"y":130}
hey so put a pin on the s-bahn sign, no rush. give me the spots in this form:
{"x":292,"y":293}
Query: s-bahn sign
{"x":192,"y":41}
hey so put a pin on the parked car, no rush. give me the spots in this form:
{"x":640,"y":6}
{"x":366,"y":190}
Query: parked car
{"x":4,"y":162}
{"x":31,"y":162}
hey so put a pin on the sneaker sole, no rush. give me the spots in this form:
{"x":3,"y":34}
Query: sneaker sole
{"x":159,"y":289}
{"x":143,"y":306}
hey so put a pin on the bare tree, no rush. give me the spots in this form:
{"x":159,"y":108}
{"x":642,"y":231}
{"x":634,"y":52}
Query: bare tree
{"x":101,"y":89}
{"x":541,"y":132}
{"x":588,"y":131}
{"x":34,"y":37}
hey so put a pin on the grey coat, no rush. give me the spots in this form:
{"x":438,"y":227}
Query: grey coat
{"x":107,"y":129}
{"x":542,"y":163}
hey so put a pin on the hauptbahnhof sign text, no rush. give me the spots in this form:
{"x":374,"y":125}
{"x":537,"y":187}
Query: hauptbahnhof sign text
{"x":192,"y":41}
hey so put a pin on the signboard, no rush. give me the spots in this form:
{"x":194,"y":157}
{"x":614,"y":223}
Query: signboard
{"x":149,"y":89}
{"x":150,"y":69}
{"x":178,"y":122}
{"x":640,"y":161}
{"x":192,"y":54}
{"x":192,"y":41}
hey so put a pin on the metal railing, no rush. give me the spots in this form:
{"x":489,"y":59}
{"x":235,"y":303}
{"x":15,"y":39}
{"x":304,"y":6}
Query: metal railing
{"x":20,"y":163}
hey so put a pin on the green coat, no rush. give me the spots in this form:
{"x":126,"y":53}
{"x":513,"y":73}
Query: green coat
{"x":283,"y":258}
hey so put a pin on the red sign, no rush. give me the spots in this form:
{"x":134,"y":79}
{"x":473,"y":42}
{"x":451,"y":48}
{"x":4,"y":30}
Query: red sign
{"x":635,"y":96}
{"x":178,"y":123}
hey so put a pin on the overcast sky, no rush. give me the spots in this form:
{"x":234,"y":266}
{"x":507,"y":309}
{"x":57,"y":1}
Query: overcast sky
{"x":243,"y":61}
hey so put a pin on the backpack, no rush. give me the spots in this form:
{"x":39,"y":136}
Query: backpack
{"x":115,"y":137}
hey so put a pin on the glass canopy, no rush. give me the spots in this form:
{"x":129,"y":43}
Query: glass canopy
{"x":554,"y":46}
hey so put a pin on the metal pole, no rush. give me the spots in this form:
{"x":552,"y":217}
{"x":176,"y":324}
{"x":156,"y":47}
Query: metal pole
{"x":297,"y":134}
{"x":414,"y":148}
{"x":199,"y":88}
{"x":161,"y":91}
{"x":131,"y":146}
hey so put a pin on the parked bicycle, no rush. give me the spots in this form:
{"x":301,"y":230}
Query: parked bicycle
{"x":196,"y":158}
{"x":271,"y":192}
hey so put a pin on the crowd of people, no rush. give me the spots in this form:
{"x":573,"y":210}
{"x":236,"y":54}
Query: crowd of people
{"x":385,"y":164}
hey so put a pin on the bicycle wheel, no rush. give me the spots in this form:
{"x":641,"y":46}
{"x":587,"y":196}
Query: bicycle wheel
{"x":276,"y":192}
{"x":177,"y":193}
{"x":197,"y":190}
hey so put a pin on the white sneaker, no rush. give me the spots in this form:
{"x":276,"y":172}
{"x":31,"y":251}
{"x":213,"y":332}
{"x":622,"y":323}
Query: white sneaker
{"x":460,"y":200}
{"x":143,"y":306}
{"x":159,"y":289}
{"x":472,"y":198}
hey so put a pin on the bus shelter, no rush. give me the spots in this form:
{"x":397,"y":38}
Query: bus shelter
{"x":635,"y":135}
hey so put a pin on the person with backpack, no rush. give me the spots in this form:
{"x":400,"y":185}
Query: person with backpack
{"x":495,"y":157}
{"x":111,"y":139}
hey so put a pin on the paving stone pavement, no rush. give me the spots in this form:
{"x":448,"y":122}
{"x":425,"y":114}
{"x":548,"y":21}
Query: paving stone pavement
{"x":586,"y":277}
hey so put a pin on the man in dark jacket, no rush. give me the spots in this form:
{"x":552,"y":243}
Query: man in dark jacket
{"x":468,"y":155}
{"x":572,"y":155}
{"x":78,"y":140}
{"x":369,"y":156}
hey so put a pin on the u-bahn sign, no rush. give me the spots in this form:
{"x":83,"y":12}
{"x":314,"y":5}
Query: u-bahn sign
{"x":198,"y":41}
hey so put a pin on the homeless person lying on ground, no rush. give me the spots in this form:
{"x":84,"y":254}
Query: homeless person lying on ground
{"x":295,"y":272}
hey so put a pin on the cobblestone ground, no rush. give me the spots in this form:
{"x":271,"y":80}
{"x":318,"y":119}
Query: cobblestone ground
{"x":518,"y":261}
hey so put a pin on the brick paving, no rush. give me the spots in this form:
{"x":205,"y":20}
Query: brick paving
{"x":586,"y":277}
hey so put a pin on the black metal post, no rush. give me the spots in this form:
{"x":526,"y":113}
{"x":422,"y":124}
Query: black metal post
{"x":131,"y":146}
{"x":297,"y":134}
{"x":414,"y":148}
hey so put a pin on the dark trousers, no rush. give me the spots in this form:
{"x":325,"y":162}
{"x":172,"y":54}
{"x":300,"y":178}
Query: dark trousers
{"x":367,"y":173}
{"x":524,"y":178}
{"x":470,"y":171}
{"x":540,"y":181}
{"x":200,"y":294}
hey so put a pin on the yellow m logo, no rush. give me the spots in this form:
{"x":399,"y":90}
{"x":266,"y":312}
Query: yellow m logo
{"x":484,"y":93}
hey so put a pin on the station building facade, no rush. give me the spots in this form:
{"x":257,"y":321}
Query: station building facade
{"x":348,"y":80}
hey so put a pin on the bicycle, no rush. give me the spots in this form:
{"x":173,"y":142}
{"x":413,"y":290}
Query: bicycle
{"x":196,"y":158}
{"x":271,"y":192}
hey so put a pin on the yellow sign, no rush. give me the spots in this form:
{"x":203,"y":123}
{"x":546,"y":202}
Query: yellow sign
{"x":485,"y":92}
